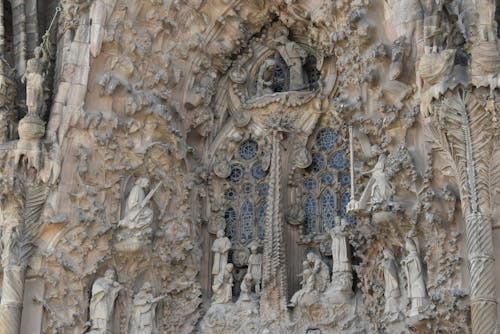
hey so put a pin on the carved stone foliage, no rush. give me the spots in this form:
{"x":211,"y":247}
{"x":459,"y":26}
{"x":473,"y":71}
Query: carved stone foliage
{"x":227,"y":166}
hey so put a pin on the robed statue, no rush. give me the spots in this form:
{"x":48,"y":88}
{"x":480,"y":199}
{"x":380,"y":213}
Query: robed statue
{"x":102,"y":303}
{"x":144,"y":310}
{"x":220,"y":248}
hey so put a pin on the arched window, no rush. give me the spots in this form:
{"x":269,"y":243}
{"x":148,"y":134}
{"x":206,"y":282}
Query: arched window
{"x":326,"y":183}
{"x":245,"y":196}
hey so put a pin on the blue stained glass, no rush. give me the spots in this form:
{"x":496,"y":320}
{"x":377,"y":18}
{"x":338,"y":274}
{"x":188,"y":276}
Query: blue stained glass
{"x":230,"y":194}
{"x":237,"y":173}
{"x":345,"y":179}
{"x":338,"y":161}
{"x":310,"y":213}
{"x":248,"y":150}
{"x":318,"y":163}
{"x":230,"y":217}
{"x":327,"y":139}
{"x":310,"y":184}
{"x":247,"y":221}
{"x":327,"y":210}
{"x":346,"y":197}
{"x":247,"y":188}
{"x":327,"y":178}
{"x":258,"y":173}
{"x":261,"y":218}
{"x":263,"y":190}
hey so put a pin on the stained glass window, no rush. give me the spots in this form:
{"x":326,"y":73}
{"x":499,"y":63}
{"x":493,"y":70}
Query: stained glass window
{"x":327,"y":139}
{"x":247,"y":188}
{"x":261,"y":217}
{"x":247,"y":221}
{"x":327,"y":182}
{"x":248,"y":150}
{"x":338,"y":161}
{"x":230,"y":194}
{"x":327,"y":210}
{"x":310,"y":213}
{"x":263,"y":190}
{"x":237,"y":173}
{"x":258,"y":173}
{"x":310,"y":184}
{"x":318,"y":163}
{"x":230,"y":217}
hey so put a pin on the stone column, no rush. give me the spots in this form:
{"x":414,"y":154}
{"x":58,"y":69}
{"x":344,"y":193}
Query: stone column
{"x":12,"y":299}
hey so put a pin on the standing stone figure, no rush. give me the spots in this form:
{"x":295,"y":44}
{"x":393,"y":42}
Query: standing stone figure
{"x":34,"y":77}
{"x":417,"y":293}
{"x":265,"y":77}
{"x":220,"y":248}
{"x":144,"y":309}
{"x":255,"y":267}
{"x":294,"y":56}
{"x":102,"y":303}
{"x":392,"y":293}
{"x":223,"y":285}
{"x":340,"y":248}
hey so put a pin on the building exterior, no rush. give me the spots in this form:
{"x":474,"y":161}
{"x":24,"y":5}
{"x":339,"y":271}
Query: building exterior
{"x":266,"y":166}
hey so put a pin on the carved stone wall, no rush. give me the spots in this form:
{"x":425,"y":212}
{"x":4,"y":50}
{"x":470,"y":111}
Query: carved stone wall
{"x":228,"y":166}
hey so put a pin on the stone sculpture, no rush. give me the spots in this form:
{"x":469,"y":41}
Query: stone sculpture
{"x":255,"y":267}
{"x":246,"y":288}
{"x":391,"y":289}
{"x":144,"y":310}
{"x":222,"y":286}
{"x":378,"y":190}
{"x":417,"y":292}
{"x":35,"y":81}
{"x":135,"y":230}
{"x":102,"y":303}
{"x":341,"y":287}
{"x":319,"y":271}
{"x":265,"y":77}
{"x":308,"y":290}
{"x":220,"y":248}
{"x":294,"y":56}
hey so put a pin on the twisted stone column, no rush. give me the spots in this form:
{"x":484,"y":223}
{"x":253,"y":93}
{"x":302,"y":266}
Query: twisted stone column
{"x":12,"y":300}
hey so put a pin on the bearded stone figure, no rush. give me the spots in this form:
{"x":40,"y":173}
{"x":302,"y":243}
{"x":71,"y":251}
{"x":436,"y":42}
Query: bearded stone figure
{"x":102,"y":303}
{"x":220,"y":248}
{"x":137,"y":215}
{"x":417,"y":293}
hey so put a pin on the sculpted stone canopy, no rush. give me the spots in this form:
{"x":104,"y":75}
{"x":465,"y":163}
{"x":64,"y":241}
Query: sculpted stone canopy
{"x":228,"y":166}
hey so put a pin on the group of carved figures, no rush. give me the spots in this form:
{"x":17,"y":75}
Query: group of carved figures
{"x":416,"y":289}
{"x":105,"y":291}
{"x":316,"y":276}
{"x":222,"y":273}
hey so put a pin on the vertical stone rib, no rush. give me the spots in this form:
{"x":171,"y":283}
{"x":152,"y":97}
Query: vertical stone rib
{"x":19,"y":34}
{"x":274,"y":280}
{"x":2,"y":31}
{"x":12,"y":299}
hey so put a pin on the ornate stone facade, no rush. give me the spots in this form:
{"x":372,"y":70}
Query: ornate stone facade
{"x":228,"y":166}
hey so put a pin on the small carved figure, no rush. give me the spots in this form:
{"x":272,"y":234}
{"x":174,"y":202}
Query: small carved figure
{"x":34,"y":78}
{"x":417,"y":293}
{"x":102,"y":303}
{"x":294,"y":56}
{"x":255,"y":267}
{"x":265,"y":77}
{"x":144,"y":309}
{"x":223,"y":285}
{"x":137,"y":215}
{"x":307,"y":285}
{"x":320,"y":272}
{"x":340,"y":248}
{"x":220,"y":248}
{"x":378,"y":190}
{"x":246,"y":288}
{"x":392,"y":293}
